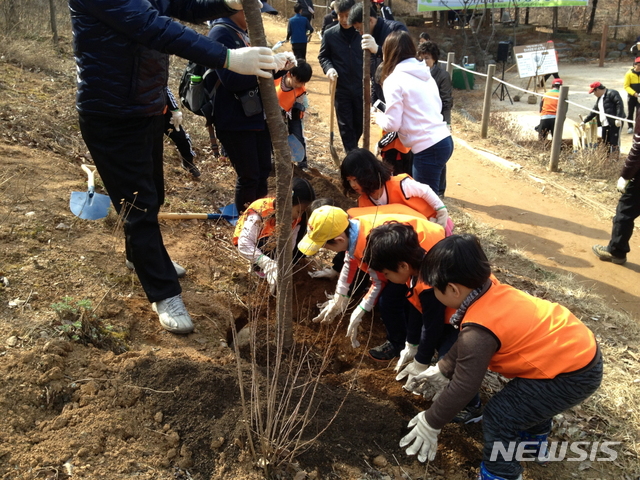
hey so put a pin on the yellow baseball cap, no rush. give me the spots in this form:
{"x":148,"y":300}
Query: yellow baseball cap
{"x":325,"y":223}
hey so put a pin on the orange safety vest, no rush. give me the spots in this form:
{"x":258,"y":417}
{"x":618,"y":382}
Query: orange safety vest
{"x":287,"y":99}
{"x":550,"y":105}
{"x":396,"y":195}
{"x":538,"y":339}
{"x":428,"y":232}
{"x":265,"y":208}
{"x":414,"y":298}
{"x":397,"y":144}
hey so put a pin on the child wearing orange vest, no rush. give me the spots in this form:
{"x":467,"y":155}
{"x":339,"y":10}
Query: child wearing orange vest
{"x":549,"y":110}
{"x":292,"y":94}
{"x":364,"y":174}
{"x":552,"y":358}
{"x":394,"y":250}
{"x":336,"y":230}
{"x":257,"y":224}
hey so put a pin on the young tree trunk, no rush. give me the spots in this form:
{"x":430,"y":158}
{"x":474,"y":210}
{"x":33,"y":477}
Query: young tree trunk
{"x":526,"y":16}
{"x":592,"y":16}
{"x":54,"y":25}
{"x":282,"y":155}
{"x":554,"y":22}
{"x":615,"y":33}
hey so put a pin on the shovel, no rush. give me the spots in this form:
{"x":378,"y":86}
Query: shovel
{"x":297,"y":149}
{"x":332,"y":149}
{"x":229,"y":213}
{"x":89,"y":205}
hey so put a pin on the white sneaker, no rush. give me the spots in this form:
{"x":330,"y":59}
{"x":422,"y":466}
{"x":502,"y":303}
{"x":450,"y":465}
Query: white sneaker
{"x":173,"y":315}
{"x":180,"y":270}
{"x":630,"y":131}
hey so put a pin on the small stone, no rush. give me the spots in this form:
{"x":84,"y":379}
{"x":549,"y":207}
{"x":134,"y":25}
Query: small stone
{"x":301,"y":475}
{"x":30,"y":214}
{"x":216,"y":443}
{"x":62,"y":226}
{"x":380,"y":461}
{"x":158,"y":417}
{"x":83,"y":452}
{"x":173,"y":438}
{"x":185,"y":463}
{"x":12,"y":341}
{"x":172,"y":453}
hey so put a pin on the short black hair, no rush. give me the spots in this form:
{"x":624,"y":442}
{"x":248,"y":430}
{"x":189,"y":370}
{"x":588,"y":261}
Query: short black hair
{"x":370,"y":172}
{"x":302,"y":192}
{"x":391,"y":243}
{"x":297,"y":7}
{"x":456,"y":259}
{"x":425,"y":36}
{"x":344,"y":5}
{"x":302,"y":71}
{"x":321,"y":202}
{"x":355,"y":15}
{"x":431,"y":48}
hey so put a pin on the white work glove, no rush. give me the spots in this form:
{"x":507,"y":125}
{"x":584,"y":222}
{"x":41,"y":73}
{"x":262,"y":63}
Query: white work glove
{"x":369,"y":43}
{"x":410,"y":372}
{"x":270,"y":269}
{"x":354,"y":322}
{"x":442,"y":216}
{"x":618,"y":123}
{"x":324,"y":273}
{"x":381,"y":118}
{"x":406,"y":355}
{"x":285,"y":61}
{"x":176,"y":119}
{"x":332,"y":74}
{"x":429,"y":383}
{"x":330,"y":309}
{"x":622,"y":184}
{"x":424,"y":438}
{"x":237,"y":4}
{"x":251,"y":61}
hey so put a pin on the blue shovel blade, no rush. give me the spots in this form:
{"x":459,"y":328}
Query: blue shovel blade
{"x":89,"y":206}
{"x":297,"y":150}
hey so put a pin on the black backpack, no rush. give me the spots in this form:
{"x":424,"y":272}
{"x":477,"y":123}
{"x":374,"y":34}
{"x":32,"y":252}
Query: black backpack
{"x":194,"y":95}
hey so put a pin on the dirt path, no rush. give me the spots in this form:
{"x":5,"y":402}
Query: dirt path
{"x":554,"y":231}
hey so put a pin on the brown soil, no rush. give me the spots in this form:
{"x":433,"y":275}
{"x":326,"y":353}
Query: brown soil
{"x":169,"y":407}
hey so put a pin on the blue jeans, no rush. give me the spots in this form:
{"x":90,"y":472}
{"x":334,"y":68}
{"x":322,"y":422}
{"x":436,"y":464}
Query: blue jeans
{"x":430,"y":162}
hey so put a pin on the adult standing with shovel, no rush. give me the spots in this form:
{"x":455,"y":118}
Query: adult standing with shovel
{"x":121,"y":119}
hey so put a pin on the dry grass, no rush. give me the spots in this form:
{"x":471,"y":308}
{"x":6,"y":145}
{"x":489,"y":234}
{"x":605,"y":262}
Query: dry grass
{"x":613,"y":412}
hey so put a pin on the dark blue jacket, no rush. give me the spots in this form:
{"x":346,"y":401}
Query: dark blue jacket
{"x":341,"y":49}
{"x":122,"y":51}
{"x":297,"y":29}
{"x":228,"y":114}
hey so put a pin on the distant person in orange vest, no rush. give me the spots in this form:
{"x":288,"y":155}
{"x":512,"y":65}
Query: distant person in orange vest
{"x":552,"y":358}
{"x":292,"y":96}
{"x":632,"y":87}
{"x":257,"y":225}
{"x":548,"y":110}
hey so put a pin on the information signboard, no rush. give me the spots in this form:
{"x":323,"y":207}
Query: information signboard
{"x":536,"y":60}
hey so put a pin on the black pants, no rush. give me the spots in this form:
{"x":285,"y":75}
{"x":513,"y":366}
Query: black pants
{"x":394,"y":310}
{"x":528,"y":405}
{"x":400,"y":162}
{"x":349,"y":112}
{"x":546,"y":127}
{"x":294,"y":125}
{"x":128,"y":155}
{"x":627,"y":211}
{"x":299,"y":50}
{"x":250,"y":155}
{"x":611,"y":137}
{"x":180,"y":137}
{"x":632,"y":104}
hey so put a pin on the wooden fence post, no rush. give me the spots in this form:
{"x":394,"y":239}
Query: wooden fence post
{"x":561,"y":114}
{"x":451,"y":57}
{"x":486,"y":107}
{"x":603,"y":44}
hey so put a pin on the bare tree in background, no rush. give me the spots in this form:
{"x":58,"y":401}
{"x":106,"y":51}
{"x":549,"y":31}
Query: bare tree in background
{"x":54,"y":25}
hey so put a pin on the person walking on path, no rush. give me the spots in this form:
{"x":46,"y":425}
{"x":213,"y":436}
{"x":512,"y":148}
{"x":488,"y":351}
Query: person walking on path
{"x":549,"y":110}
{"x":414,"y":110}
{"x":340,"y":57}
{"x":298,"y":30}
{"x":632,"y":87}
{"x":609,"y":102}
{"x":552,"y":358}
{"x":628,"y":206}
{"x":122,"y":50}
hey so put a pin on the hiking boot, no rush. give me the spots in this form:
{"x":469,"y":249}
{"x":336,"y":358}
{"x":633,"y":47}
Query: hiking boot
{"x":180,"y":270}
{"x":173,"y":315}
{"x":191,"y":168}
{"x":469,"y":414}
{"x":384,"y":352}
{"x":603,"y":254}
{"x":484,"y":474}
{"x":537,"y":447}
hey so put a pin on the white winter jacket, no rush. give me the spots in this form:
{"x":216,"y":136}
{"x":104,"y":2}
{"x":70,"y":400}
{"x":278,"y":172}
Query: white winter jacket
{"x":413,"y":106}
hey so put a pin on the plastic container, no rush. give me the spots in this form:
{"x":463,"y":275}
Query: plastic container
{"x":195,"y":79}
{"x":463,"y":80}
